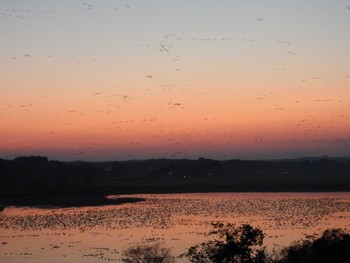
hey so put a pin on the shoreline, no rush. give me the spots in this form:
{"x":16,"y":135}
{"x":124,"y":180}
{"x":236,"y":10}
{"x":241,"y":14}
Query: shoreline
{"x":49,"y":202}
{"x":45,"y":201}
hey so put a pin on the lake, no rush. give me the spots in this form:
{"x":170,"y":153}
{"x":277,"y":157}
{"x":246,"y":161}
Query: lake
{"x":178,"y":221}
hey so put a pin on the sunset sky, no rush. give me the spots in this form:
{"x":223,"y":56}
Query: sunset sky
{"x":119,"y":80}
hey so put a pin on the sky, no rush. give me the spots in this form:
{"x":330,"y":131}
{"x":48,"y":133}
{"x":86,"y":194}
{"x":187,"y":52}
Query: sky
{"x":141,"y":79}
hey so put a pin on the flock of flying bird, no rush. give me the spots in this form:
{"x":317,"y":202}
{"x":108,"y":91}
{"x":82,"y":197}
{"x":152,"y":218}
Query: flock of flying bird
{"x":163,"y":130}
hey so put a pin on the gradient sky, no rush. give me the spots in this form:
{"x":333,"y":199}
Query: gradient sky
{"x":118,"y":80}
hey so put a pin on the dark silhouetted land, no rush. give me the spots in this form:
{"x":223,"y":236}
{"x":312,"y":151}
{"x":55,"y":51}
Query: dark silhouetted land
{"x":37,"y":181}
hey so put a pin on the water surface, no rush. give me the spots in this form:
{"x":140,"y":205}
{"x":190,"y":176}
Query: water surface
{"x":100,"y":234}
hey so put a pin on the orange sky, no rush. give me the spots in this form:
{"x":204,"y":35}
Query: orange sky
{"x":96,"y":84}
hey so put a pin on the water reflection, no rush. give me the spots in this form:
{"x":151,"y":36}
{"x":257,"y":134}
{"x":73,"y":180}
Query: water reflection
{"x":94,"y":234}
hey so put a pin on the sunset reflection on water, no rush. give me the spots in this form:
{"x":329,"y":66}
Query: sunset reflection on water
{"x":97,"y":234}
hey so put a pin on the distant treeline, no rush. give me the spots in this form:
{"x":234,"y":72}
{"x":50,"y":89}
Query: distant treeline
{"x":37,"y":174}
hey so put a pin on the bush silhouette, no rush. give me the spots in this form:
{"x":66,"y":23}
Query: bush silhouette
{"x":234,"y":244}
{"x":332,"y":247}
{"x":148,"y":254}
{"x":243,"y":244}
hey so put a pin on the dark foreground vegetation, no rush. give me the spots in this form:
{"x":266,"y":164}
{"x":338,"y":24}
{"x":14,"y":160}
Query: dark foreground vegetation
{"x":244,"y":244}
{"x":44,"y":182}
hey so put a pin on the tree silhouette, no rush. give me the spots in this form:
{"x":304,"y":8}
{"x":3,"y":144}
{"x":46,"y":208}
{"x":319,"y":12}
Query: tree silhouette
{"x":148,"y":254}
{"x":332,"y":247}
{"x":234,"y":244}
